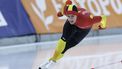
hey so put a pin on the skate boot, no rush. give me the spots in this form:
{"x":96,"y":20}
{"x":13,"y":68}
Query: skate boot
{"x":47,"y":65}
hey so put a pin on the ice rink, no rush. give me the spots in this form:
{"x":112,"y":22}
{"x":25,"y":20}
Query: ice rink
{"x":104,"y":52}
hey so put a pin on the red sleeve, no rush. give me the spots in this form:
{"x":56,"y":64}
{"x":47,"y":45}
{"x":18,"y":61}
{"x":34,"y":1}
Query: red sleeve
{"x":63,"y":11}
{"x":82,"y":10}
{"x":96,"y":19}
{"x":88,"y":16}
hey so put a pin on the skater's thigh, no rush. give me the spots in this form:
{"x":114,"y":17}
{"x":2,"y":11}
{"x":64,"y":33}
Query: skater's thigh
{"x":77,"y":37}
{"x":67,"y":30}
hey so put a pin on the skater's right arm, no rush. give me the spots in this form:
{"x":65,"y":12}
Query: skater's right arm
{"x":63,"y":10}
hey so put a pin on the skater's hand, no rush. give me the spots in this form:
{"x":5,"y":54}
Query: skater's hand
{"x":68,"y":2}
{"x":59,"y":14}
{"x":101,"y":28}
{"x":103,"y":23}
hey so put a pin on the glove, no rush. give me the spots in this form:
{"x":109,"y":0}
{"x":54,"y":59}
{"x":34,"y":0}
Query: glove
{"x":103,"y":22}
{"x":59,"y":14}
{"x":68,"y":2}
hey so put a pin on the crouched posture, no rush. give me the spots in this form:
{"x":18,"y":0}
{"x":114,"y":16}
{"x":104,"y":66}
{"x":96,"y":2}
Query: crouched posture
{"x":78,"y":24}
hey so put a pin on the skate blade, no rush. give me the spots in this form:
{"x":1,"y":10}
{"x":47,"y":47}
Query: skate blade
{"x":42,"y":68}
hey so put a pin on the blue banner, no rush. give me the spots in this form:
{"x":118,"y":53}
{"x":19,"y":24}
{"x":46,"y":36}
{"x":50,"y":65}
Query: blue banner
{"x":14,"y":20}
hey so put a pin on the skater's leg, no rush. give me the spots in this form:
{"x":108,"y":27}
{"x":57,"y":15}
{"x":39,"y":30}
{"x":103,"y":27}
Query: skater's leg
{"x":75,"y":38}
{"x":67,"y":30}
{"x":58,"y":51}
{"x":61,"y":45}
{"x":57,"y":55}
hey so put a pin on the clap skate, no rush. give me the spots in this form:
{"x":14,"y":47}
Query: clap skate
{"x":47,"y":65}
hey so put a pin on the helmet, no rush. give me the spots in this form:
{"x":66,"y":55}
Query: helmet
{"x":71,"y":9}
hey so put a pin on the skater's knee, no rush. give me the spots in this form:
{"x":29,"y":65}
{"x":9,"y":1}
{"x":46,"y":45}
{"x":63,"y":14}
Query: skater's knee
{"x":61,"y":45}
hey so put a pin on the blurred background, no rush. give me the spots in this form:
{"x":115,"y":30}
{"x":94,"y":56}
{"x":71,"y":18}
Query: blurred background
{"x":29,"y":30}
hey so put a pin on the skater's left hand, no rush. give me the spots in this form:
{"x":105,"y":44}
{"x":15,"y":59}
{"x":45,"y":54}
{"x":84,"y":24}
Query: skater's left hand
{"x":68,"y":2}
{"x":103,"y":22}
{"x":59,"y":14}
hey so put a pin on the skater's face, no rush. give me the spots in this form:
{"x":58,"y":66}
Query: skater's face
{"x":72,"y":18}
